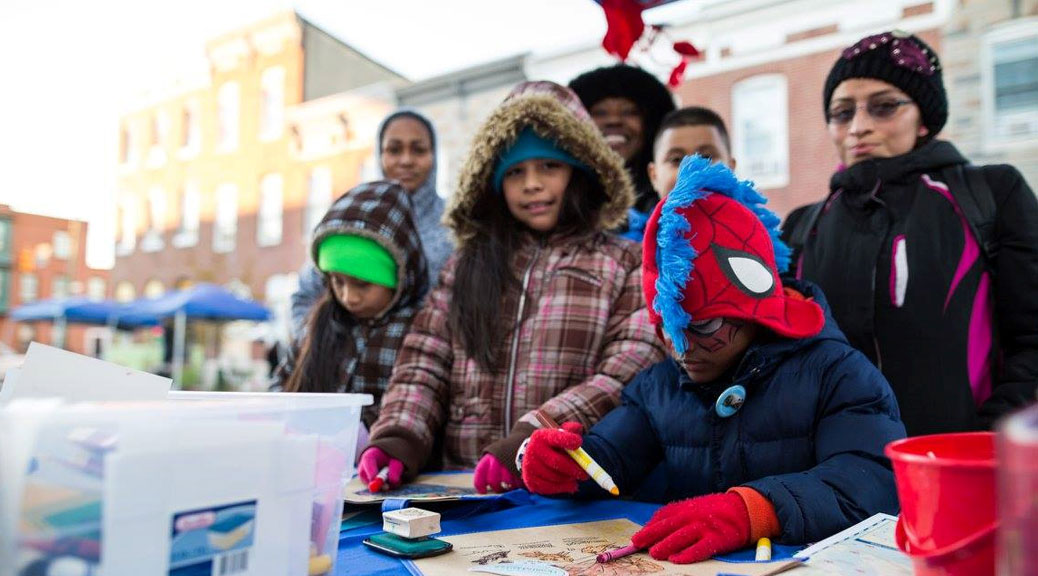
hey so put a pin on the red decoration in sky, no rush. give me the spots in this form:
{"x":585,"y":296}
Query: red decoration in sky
{"x":625,"y":28}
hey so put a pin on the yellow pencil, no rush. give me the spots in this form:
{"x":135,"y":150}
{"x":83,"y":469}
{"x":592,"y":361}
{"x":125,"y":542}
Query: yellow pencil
{"x":593,"y":469}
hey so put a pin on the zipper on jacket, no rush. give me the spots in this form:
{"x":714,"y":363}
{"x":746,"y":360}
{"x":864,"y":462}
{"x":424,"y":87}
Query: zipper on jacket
{"x":515,"y":340}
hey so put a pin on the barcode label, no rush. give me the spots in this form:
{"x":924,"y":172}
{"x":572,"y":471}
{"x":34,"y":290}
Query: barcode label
{"x":234,"y":563}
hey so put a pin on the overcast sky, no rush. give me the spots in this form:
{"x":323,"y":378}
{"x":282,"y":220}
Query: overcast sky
{"x":71,"y":68}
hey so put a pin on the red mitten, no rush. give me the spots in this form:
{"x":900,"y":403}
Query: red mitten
{"x":547,"y":468}
{"x":697,"y":529}
{"x":375,"y":459}
{"x":493,"y":476}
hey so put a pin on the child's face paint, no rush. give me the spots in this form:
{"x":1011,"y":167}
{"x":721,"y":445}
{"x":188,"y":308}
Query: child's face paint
{"x":361,"y":299}
{"x":534,"y":191}
{"x":673,"y":144}
{"x":714,"y":346}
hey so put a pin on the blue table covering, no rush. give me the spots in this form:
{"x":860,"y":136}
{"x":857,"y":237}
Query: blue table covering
{"x":516,"y":509}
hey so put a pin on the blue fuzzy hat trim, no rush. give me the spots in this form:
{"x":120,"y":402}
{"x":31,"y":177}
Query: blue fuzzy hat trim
{"x":698,"y":178}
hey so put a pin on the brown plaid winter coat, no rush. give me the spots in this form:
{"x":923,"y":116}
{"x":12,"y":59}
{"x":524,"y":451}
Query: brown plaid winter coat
{"x":580,"y":334}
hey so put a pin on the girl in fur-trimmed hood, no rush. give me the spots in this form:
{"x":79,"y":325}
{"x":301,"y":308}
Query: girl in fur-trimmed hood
{"x":539,"y":308}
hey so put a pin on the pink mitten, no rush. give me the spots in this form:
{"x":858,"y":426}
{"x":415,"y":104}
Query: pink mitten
{"x":375,"y":459}
{"x":492,"y":476}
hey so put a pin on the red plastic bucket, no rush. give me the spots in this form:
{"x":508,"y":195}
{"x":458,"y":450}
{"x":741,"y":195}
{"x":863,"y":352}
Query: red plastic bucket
{"x":946,"y":486}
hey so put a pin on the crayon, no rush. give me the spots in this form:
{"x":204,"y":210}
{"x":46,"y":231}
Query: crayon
{"x":618,"y":553}
{"x":763,"y":550}
{"x":379,"y":481}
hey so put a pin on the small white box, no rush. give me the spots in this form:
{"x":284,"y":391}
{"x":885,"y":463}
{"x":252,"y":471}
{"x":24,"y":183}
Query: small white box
{"x":411,"y":522}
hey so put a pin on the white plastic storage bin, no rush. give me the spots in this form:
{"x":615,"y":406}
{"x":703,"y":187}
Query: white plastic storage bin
{"x":221,"y":484}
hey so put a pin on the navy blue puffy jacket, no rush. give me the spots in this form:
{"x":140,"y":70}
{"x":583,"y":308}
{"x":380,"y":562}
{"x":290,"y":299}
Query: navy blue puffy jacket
{"x":809,"y":437}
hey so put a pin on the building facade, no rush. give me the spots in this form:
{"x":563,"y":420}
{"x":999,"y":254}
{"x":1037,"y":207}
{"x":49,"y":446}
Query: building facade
{"x":221,"y":182}
{"x":41,"y":258}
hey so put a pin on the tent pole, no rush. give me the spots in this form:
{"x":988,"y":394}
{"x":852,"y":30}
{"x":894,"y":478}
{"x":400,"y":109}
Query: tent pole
{"x":179,"y":334}
{"x":59,"y":332}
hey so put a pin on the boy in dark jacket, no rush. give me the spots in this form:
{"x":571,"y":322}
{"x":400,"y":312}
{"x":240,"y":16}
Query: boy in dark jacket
{"x":765,"y":416}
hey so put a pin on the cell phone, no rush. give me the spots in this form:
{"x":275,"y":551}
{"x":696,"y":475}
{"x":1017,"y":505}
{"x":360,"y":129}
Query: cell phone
{"x":398,"y":547}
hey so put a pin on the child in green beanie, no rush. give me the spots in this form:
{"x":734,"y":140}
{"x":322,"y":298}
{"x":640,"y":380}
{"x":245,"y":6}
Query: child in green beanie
{"x":368,"y":250}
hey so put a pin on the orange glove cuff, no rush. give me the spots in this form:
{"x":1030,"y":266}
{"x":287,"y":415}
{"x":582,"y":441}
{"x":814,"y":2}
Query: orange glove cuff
{"x":763,"y":521}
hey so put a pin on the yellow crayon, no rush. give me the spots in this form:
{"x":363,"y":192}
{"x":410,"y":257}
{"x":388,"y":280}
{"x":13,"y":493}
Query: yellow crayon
{"x":763,"y":550}
{"x":582,"y":458}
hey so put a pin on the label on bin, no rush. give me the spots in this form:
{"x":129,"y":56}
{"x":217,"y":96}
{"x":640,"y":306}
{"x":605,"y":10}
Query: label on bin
{"x":213,"y":541}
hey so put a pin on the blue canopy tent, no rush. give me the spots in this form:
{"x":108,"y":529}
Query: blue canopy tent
{"x":75,"y":310}
{"x":199,"y":302}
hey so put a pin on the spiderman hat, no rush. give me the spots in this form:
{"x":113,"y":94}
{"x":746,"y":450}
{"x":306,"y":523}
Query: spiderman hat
{"x":712,"y":250}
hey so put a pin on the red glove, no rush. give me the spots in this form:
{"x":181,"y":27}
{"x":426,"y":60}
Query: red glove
{"x":375,"y":459}
{"x":697,"y":529}
{"x":492,"y":476}
{"x":547,"y":468}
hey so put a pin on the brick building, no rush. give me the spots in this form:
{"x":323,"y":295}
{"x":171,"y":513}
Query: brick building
{"x":40,"y":258}
{"x":220,"y":182}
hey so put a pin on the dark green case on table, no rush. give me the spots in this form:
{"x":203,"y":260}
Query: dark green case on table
{"x":394,"y":545}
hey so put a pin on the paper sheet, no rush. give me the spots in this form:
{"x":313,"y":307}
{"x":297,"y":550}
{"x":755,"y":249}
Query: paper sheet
{"x":866,"y":549}
{"x":573,"y":547}
{"x":424,"y":488}
{"x":53,"y":372}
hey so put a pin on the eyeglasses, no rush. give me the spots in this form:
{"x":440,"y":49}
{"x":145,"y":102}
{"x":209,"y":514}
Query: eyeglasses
{"x":877,"y":109}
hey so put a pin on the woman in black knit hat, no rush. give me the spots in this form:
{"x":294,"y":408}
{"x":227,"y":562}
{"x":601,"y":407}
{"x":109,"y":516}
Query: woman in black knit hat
{"x":627,"y":104}
{"x":930,"y":264}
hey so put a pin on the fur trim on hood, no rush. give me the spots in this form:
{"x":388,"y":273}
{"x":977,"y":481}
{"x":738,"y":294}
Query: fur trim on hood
{"x":550,"y":119}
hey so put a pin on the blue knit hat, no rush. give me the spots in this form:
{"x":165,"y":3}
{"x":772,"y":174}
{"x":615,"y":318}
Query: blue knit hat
{"x":527,"y":146}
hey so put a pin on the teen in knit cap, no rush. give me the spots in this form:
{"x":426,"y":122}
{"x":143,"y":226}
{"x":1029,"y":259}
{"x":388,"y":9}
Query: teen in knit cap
{"x":899,"y":59}
{"x":912,"y":238}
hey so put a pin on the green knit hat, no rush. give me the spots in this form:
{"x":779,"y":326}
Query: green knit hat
{"x":359,"y":257}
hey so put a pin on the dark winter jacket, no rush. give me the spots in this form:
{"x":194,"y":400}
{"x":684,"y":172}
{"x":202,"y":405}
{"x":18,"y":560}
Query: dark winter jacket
{"x":809,"y":436}
{"x":957,"y":338}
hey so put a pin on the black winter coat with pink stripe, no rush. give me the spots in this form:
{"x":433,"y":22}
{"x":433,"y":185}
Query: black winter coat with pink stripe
{"x":957,"y":338}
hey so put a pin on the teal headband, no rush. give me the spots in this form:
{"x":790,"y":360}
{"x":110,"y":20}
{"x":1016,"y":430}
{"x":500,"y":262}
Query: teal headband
{"x":527,"y":146}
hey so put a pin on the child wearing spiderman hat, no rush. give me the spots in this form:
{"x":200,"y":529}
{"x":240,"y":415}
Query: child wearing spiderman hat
{"x":766,"y":421}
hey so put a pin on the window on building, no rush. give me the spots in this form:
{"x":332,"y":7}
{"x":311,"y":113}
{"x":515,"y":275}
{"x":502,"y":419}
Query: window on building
{"x":96,"y":288}
{"x":760,"y":130}
{"x":272,"y":103}
{"x":5,"y":289}
{"x":60,"y":287}
{"x":43,"y":253}
{"x":268,"y":229}
{"x":159,"y":133}
{"x":124,"y":291}
{"x":152,"y":240}
{"x":1010,"y":79}
{"x":154,"y":289}
{"x":225,"y":225}
{"x":190,"y":210}
{"x":228,"y":115}
{"x":318,"y":198}
{"x":5,"y":240}
{"x":62,"y":242}
{"x":189,"y":128}
{"x":125,"y":145}
{"x":127,"y":225}
{"x":28,"y":287}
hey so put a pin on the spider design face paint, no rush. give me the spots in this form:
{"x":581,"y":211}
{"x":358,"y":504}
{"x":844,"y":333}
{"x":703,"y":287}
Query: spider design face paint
{"x":721,"y":335}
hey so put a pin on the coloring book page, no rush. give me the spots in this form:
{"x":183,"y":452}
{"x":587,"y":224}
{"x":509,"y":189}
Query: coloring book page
{"x":573,"y":548}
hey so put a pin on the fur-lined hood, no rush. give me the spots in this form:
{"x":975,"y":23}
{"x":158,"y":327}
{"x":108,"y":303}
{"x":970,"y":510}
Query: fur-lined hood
{"x":550,"y":119}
